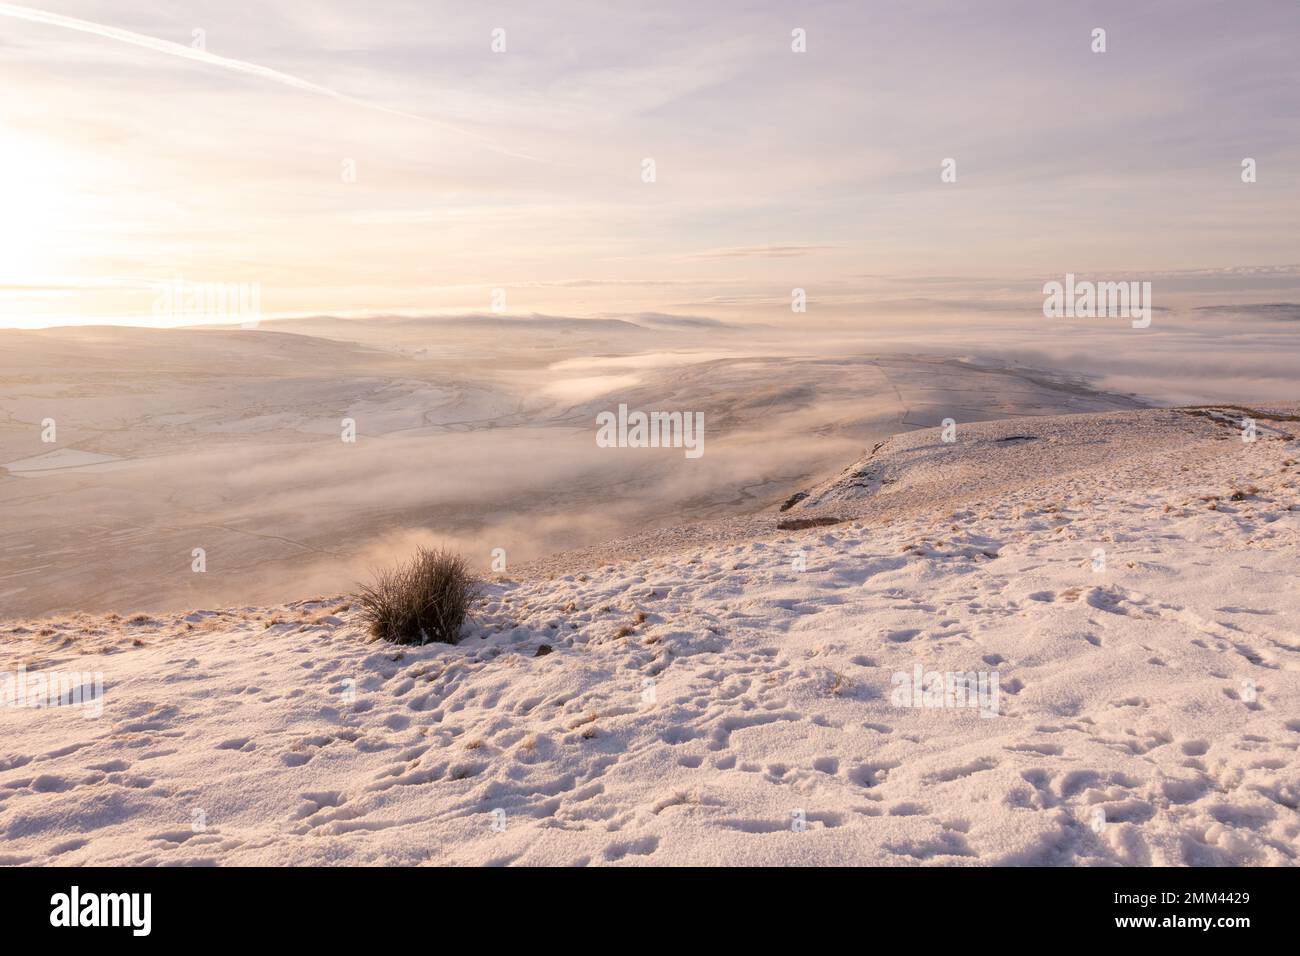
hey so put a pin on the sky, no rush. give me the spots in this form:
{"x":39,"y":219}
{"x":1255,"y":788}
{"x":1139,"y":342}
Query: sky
{"x":380,"y":158}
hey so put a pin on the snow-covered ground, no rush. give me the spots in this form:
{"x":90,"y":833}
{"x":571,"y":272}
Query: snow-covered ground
{"x":734,"y":693}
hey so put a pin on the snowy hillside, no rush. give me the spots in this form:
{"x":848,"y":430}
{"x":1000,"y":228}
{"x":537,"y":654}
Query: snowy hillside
{"x":1118,"y":591}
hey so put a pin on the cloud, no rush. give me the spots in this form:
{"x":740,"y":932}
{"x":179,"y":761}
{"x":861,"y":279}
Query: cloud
{"x":599,"y":283}
{"x":1288,"y":311}
{"x":774,"y":171}
{"x":170,"y":48}
{"x":757,"y":252}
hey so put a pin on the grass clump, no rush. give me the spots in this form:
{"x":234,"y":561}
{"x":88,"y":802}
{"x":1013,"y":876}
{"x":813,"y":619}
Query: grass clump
{"x":424,"y":599}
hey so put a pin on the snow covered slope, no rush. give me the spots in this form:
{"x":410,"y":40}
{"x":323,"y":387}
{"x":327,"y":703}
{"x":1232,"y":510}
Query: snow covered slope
{"x":740,"y":696}
{"x":982,"y":458}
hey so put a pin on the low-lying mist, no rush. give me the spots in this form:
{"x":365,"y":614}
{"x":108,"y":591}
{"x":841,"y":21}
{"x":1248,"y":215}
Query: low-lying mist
{"x":226,"y":467}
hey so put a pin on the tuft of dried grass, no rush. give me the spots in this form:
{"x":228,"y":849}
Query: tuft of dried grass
{"x":425,"y":599}
{"x":840,"y":684}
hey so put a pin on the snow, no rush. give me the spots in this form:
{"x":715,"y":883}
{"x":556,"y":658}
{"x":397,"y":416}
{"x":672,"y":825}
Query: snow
{"x":725,"y":694}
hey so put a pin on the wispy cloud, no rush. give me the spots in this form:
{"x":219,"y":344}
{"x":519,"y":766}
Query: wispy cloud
{"x":758,"y":252}
{"x":359,"y":158}
{"x":600,"y":283}
{"x":33,"y":15}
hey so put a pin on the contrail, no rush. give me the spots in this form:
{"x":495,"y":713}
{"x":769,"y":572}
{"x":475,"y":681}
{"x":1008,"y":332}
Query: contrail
{"x":239,"y":66}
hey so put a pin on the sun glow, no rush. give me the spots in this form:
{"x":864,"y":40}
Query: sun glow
{"x":33,"y":204}
{"x":37,"y":194}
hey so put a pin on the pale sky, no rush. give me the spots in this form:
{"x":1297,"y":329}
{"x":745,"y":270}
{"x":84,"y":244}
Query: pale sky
{"x":134,"y":151}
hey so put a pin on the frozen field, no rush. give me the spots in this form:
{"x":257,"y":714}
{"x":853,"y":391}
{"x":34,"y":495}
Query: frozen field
{"x":731,"y":695}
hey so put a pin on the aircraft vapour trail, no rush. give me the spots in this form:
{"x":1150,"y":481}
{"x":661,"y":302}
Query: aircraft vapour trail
{"x":172,"y":48}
